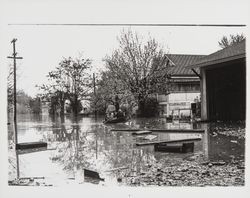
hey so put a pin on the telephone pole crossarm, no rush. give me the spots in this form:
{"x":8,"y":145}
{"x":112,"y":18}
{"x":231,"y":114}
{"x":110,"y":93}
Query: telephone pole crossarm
{"x":14,"y":57}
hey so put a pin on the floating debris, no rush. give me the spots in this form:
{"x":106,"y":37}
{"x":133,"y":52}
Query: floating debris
{"x":168,"y":141}
{"x":150,"y":137}
{"x":118,"y":168}
{"x":31,"y":145}
{"x":141,"y":132}
{"x":175,"y":148}
{"x":92,"y":174}
{"x":29,"y":181}
{"x":214,"y":134}
{"x":162,"y":130}
{"x":219,"y":163}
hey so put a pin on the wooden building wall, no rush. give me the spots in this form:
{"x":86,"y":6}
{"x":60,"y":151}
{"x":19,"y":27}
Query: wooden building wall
{"x":226,"y":91}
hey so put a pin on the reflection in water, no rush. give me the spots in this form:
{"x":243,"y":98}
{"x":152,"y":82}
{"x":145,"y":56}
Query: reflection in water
{"x":86,"y":143}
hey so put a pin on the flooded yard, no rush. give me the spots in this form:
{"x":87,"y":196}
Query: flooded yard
{"x":86,"y":143}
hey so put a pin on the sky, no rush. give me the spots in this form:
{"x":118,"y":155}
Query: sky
{"x":43,"y":46}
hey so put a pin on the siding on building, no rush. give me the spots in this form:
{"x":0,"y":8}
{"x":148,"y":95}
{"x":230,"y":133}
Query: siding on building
{"x":184,"y":86}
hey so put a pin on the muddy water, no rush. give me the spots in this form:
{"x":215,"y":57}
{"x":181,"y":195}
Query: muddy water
{"x":86,"y":143}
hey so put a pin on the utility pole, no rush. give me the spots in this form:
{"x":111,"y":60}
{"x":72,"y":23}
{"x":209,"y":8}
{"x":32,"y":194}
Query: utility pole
{"x":96,"y":141}
{"x":14,"y":57}
{"x":95,"y":94}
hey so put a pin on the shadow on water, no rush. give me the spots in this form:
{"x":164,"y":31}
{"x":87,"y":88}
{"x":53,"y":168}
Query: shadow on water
{"x":86,"y":143}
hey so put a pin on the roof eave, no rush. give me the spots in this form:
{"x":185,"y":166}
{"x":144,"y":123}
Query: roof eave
{"x":217,"y":61}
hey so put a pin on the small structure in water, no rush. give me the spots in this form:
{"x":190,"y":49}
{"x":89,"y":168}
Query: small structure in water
{"x":31,"y":145}
{"x":114,"y":115}
{"x":175,"y":147}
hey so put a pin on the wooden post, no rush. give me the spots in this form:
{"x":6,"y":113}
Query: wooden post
{"x":204,"y":105}
{"x":94,"y":94}
{"x":96,"y":144}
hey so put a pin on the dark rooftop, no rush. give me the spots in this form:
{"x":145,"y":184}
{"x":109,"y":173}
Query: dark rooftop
{"x":179,"y":63}
{"x":233,"y":52}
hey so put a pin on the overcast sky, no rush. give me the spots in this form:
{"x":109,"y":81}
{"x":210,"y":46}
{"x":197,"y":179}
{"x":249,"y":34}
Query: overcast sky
{"x":42,"y":47}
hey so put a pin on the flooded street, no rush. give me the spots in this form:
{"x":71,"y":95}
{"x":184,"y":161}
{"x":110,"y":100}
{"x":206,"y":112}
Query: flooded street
{"x":86,"y":143}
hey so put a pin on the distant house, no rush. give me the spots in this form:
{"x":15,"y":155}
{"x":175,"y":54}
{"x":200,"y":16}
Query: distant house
{"x":184,"y":86}
{"x":223,"y":83}
{"x":45,"y":108}
{"x":85,"y":107}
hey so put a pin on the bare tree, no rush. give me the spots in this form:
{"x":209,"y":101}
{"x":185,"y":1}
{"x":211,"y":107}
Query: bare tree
{"x":140,"y":66}
{"x":231,"y":40}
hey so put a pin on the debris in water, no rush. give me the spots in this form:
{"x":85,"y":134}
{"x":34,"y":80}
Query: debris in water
{"x":141,"y":132}
{"x":214,"y":134}
{"x":210,"y":165}
{"x":118,"y":168}
{"x":168,"y":141}
{"x":219,"y":163}
{"x":119,"y":179}
{"x":31,"y":145}
{"x":150,"y":137}
{"x":92,"y":174}
{"x":175,"y":148}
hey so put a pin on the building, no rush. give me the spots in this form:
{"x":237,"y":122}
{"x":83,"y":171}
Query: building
{"x":45,"y":107}
{"x":183,"y":88}
{"x":223,"y":83}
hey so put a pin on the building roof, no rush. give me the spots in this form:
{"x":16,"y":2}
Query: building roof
{"x":179,"y":62}
{"x":230,"y":53}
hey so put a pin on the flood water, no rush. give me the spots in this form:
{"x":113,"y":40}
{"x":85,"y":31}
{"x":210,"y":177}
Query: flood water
{"x":87,"y":143}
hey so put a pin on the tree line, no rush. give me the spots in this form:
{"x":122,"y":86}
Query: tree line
{"x":134,"y":72}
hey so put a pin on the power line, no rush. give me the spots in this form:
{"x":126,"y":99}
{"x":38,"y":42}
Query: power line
{"x":129,"y":24}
